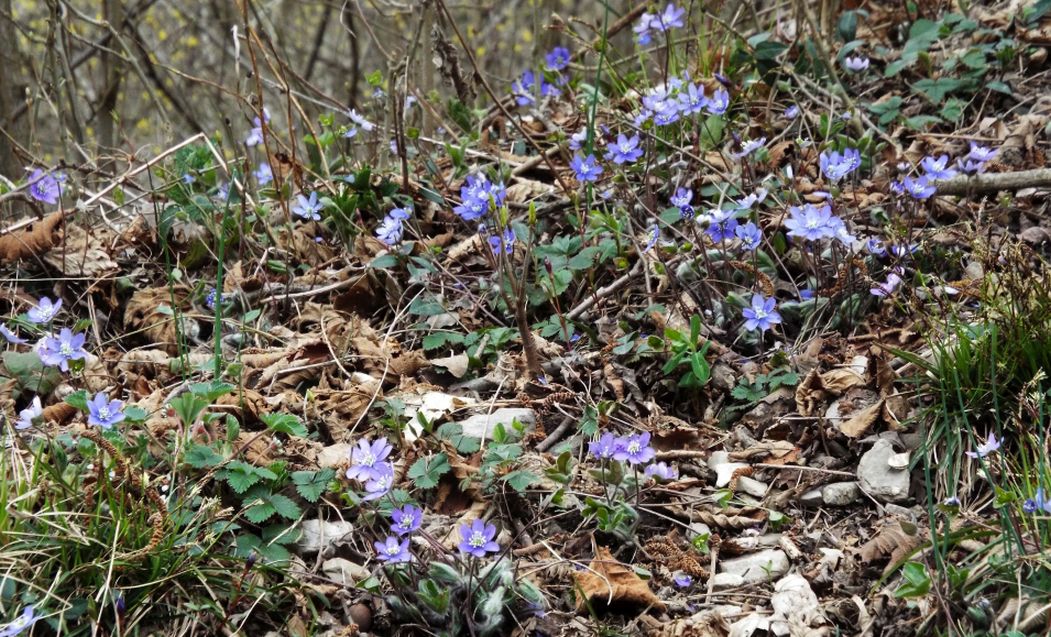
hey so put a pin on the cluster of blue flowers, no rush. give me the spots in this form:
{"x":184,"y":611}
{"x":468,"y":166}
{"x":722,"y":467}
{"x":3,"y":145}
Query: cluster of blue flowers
{"x":679,"y":98}
{"x":634,"y":449}
{"x":525,"y":87}
{"x":939,"y":168}
{"x":392,"y":227}
{"x":479,"y":197}
{"x":368,"y":465}
{"x":670,"y":18}
{"x":395,"y":548}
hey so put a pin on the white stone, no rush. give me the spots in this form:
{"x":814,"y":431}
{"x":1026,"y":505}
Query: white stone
{"x":482,"y":425}
{"x":319,"y":535}
{"x":344,"y":572}
{"x":759,"y":567}
{"x":878,"y":478}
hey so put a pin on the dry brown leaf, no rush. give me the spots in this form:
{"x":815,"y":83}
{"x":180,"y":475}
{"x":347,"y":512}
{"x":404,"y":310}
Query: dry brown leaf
{"x":338,"y":411}
{"x":810,"y":394}
{"x":862,"y":421}
{"x":456,"y":364}
{"x":81,"y":254}
{"x":143,"y":314}
{"x":33,"y":240}
{"x":611,"y":584}
{"x":895,"y":539}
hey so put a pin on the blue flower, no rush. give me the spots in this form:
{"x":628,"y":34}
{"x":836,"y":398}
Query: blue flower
{"x":21,"y":623}
{"x":44,"y":311}
{"x":59,"y":351}
{"x":577,"y":139}
{"x":255,"y":136}
{"x":692,"y":99}
{"x":643,"y":26}
{"x":478,"y":196}
{"x":682,"y":580}
{"x":391,"y":228}
{"x":406,"y":519}
{"x":624,"y":150}
{"x":10,"y":336}
{"x":750,"y":235}
{"x":308,"y":208}
{"x":749,"y":147}
{"x":502,"y":242}
{"x":875,"y":247}
{"x":722,"y":230}
{"x":719,"y":102}
{"x":937,"y":168}
{"x":393,"y":551}
{"x":605,"y":447}
{"x":27,"y":416}
{"x":791,"y":112}
{"x":103,"y":412}
{"x":970,"y":166}
{"x":478,"y":539}
{"x":671,"y":18}
{"x":585,"y":168}
{"x":380,"y":481}
{"x":366,"y":457}
{"x":682,"y":197}
{"x":887,"y":288}
{"x":654,"y":233}
{"x":359,"y":120}
{"x":990,"y":445}
{"x":1037,"y":503}
{"x":44,"y":186}
{"x":661,"y":471}
{"x":635,"y":449}
{"x":856,"y":64}
{"x":263,"y":174}
{"x":557,"y":59}
{"x":746,"y":203}
{"x":810,"y":222}
{"x":835,"y":166}
{"x":522,"y":88}
{"x":214,"y":297}
{"x":916,"y":188}
{"x":761,"y":315}
{"x":981,"y":153}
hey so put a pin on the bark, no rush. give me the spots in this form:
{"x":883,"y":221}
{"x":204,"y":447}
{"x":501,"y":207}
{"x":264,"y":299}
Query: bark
{"x":994,"y":182}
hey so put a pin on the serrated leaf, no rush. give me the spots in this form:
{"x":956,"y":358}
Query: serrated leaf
{"x":426,"y":472}
{"x":134,"y":413}
{"x":311,"y":484}
{"x":79,"y":399}
{"x":239,"y":481}
{"x":285,"y":506}
{"x":201,"y":456}
{"x":285,"y":423}
{"x":261,"y":512}
{"x":520,"y":480}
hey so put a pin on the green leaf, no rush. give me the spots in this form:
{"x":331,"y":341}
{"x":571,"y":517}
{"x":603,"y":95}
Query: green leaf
{"x":312,"y":484}
{"x":936,"y":90}
{"x":134,"y":413}
{"x":211,"y":391}
{"x":453,"y":432}
{"x":285,"y":506}
{"x":384,"y":262}
{"x":201,"y":456}
{"x":30,"y":373}
{"x":285,"y":423}
{"x":78,"y":399}
{"x":426,"y":472}
{"x":261,"y":512}
{"x":847,"y":27}
{"x":917,"y":581}
{"x":521,"y":480}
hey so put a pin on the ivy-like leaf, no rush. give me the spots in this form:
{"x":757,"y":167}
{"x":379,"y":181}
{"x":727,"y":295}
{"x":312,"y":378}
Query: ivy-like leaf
{"x":311,"y":484}
{"x":201,"y":456}
{"x":520,"y":480}
{"x":285,"y":423}
{"x":426,"y":472}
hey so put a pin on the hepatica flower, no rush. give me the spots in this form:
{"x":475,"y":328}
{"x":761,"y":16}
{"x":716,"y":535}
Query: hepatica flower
{"x":682,"y":197}
{"x":1037,"y":503}
{"x":719,"y":102}
{"x":21,"y":623}
{"x":937,"y":168}
{"x":406,"y":519}
{"x":391,"y":228}
{"x":682,"y":580}
{"x":981,"y":153}
{"x":749,"y":147}
{"x":10,"y":336}
{"x":308,"y":208}
{"x":919,"y":188}
{"x":692,"y":99}
{"x":557,"y":59}
{"x":890,"y":285}
{"x":605,"y":447}
{"x":29,"y":414}
{"x":990,"y":445}
{"x":393,"y":551}
{"x":585,"y":168}
{"x":477,"y":539}
{"x":856,"y":64}
{"x":44,"y":311}
{"x":478,"y":195}
{"x":761,"y":315}
{"x":791,"y":112}
{"x":836,"y":166}
{"x":263,"y":174}
{"x":635,"y":449}
{"x":103,"y":412}
{"x":810,"y":222}
{"x":670,"y":18}
{"x":255,"y":136}
{"x":365,"y":458}
{"x":380,"y":481}
{"x":45,"y":187}
{"x":661,"y":471}
{"x":750,"y":235}
{"x":503,"y":242}
{"x":58,"y":351}
{"x":625,"y":150}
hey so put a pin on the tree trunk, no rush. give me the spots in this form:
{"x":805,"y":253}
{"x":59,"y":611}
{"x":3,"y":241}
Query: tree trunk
{"x":10,"y":87}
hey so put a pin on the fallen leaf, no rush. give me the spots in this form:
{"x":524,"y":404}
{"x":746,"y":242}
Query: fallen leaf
{"x":34,"y":240}
{"x":862,"y":421}
{"x":611,"y":584}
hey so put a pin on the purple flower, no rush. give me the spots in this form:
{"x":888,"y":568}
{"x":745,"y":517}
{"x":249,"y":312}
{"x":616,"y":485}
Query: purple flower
{"x":981,"y":153}
{"x":389,"y":231}
{"x":359,"y":120}
{"x":10,"y":336}
{"x":58,"y":351}
{"x":635,"y":449}
{"x":875,"y":247}
{"x":189,"y":179}
{"x":477,"y":539}
{"x":406,"y":519}
{"x":21,"y":623}
{"x":401,"y":214}
{"x":856,"y":64}
{"x":749,"y":147}
{"x":722,"y":230}
{"x":662,"y":471}
{"x":806,"y":294}
{"x":263,"y":174}
{"x":502,"y":242}
{"x":29,"y":414}
{"x":671,"y":18}
{"x":892,"y":283}
{"x":522,"y":88}
{"x":393,"y":551}
{"x":1037,"y":503}
{"x":308,"y":208}
{"x":746,"y":203}
{"x":692,"y":99}
{"x":44,"y":186}
{"x":103,"y":412}
{"x":365,"y":458}
{"x":380,"y":481}
{"x":991,"y":444}
{"x":255,"y":136}
{"x":44,"y":311}
{"x":605,"y":447}
{"x":810,"y":222}
{"x":682,"y":197}
{"x":585,"y":168}
{"x":478,"y":196}
{"x":791,"y":112}
{"x":577,"y":139}
{"x":654,"y":235}
{"x":625,"y":150}
{"x":970,"y":166}
{"x":916,"y":188}
{"x":835,"y":166}
{"x":719,"y":102}
{"x":557,"y":59}
{"x":214,"y":297}
{"x":643,"y":26}
{"x":750,"y":235}
{"x":937,"y":168}
{"x":761,"y":315}
{"x":682,"y":580}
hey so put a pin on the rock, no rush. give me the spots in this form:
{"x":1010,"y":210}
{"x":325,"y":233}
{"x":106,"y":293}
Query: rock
{"x":840,"y":494}
{"x":878,"y":478}
{"x":697,"y":529}
{"x":344,"y":572}
{"x":751,"y":487}
{"x":482,"y":425}
{"x":321,"y":535}
{"x":756,"y":568}
{"x":812,"y":498}
{"x":361,"y":615}
{"x":727,"y":580}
